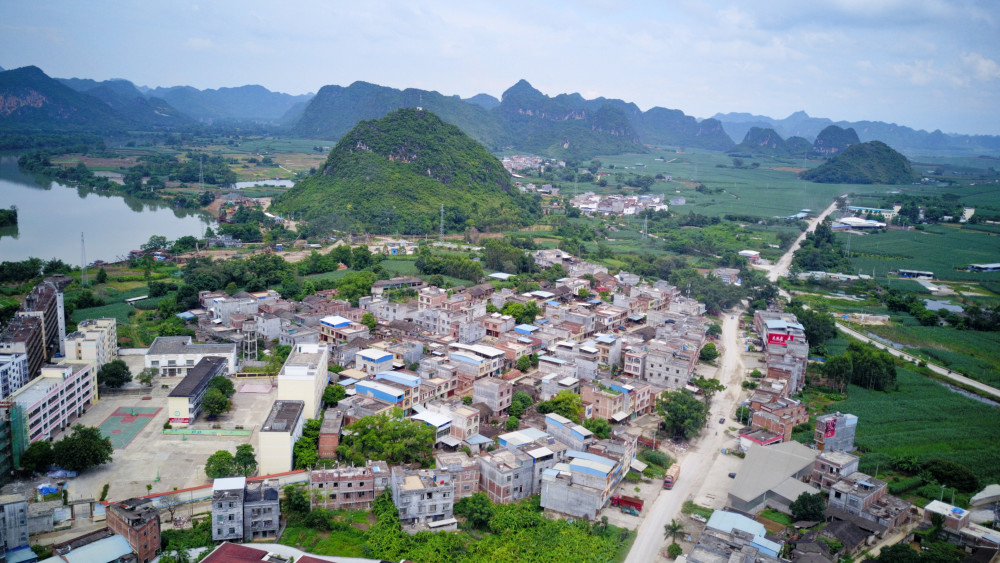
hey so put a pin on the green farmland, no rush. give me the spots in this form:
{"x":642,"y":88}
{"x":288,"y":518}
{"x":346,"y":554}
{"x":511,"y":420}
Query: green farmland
{"x":940,"y":249}
{"x":925,"y":421}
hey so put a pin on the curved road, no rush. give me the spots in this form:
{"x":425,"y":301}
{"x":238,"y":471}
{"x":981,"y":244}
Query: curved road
{"x":943,"y":372}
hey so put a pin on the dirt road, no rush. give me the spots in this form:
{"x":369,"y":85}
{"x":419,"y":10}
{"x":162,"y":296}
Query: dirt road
{"x":704,"y":469}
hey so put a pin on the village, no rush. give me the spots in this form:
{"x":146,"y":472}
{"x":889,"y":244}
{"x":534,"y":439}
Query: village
{"x":441,"y":359}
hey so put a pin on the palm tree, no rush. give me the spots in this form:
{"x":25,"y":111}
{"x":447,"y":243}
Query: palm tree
{"x":673,"y":530}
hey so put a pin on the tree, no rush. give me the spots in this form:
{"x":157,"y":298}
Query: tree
{"x":245,"y":462}
{"x":223,"y":384}
{"x":673,"y":530}
{"x":683,"y":414}
{"x":83,"y":449}
{"x":147,"y":375}
{"x":296,"y":499}
{"x":114,"y":374}
{"x":467,"y":400}
{"x":520,"y":403}
{"x":524,"y":363}
{"x":38,"y":457}
{"x":512,"y":423}
{"x":674,"y":550}
{"x":333,"y":394}
{"x":811,"y":507}
{"x":565,"y":403}
{"x":714,"y":329}
{"x":599,"y":426}
{"x":477,"y":511}
{"x":214,"y":402}
{"x":390,"y":437}
{"x":220,"y":464}
{"x":708,"y":352}
{"x":102,"y":275}
{"x":838,"y":370}
{"x":708,"y":387}
{"x":369,"y":321}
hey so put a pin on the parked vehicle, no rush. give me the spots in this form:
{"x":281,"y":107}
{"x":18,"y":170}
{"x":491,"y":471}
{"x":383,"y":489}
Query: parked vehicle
{"x":732,"y":475}
{"x":671,"y":477}
{"x":627,"y":502}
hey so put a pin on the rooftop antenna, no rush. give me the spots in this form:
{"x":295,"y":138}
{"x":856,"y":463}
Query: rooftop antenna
{"x":83,"y":261}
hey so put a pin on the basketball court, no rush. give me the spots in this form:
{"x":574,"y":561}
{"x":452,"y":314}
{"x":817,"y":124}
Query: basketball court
{"x":125,"y":424}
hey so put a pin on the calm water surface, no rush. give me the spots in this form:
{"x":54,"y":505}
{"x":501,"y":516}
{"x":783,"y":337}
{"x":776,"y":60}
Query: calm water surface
{"x":51,"y":217}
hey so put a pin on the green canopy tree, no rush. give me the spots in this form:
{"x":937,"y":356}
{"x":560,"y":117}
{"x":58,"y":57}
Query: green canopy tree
{"x":333,"y":394}
{"x":810,"y":507}
{"x":520,"y":403}
{"x":599,"y":426}
{"x":223,"y":384}
{"x":708,"y":352}
{"x":38,"y":457}
{"x":683,"y":414}
{"x":245,"y":461}
{"x":114,"y":374}
{"x":389,"y":437}
{"x":219,"y":465}
{"x":565,"y":403}
{"x":214,"y":402}
{"x":476,"y":509}
{"x":84,"y":448}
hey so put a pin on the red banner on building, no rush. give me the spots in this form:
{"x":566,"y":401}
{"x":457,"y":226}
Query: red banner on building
{"x":781,"y":339}
{"x":831,"y":429}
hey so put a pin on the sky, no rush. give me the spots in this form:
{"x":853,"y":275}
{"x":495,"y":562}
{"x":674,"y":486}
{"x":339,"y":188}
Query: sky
{"x":926,"y":64}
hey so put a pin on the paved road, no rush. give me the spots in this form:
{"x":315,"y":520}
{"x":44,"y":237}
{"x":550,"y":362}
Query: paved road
{"x":700,"y":467}
{"x":944,"y":372}
{"x":780,"y":267}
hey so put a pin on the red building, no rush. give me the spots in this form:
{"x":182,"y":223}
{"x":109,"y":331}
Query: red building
{"x":139,"y":521}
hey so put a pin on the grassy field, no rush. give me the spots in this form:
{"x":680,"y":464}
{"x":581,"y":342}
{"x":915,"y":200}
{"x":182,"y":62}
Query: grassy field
{"x":940,"y":249}
{"x":973,"y":353}
{"x":117,"y":310}
{"x":924,"y":420}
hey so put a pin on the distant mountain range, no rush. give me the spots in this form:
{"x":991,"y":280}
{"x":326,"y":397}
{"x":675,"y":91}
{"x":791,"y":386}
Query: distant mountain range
{"x":801,"y":124}
{"x":523,"y":119}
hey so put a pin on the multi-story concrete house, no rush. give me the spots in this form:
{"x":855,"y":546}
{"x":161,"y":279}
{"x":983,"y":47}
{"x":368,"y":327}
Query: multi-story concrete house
{"x":304,"y":377}
{"x":554,"y":383}
{"x":497,"y":325}
{"x":329,"y":434}
{"x":494,"y":392}
{"x":779,"y":416}
{"x":785,"y":346}
{"x":830,"y":467}
{"x":184,"y":400}
{"x":45,"y":302}
{"x":13,"y":373}
{"x":424,"y":495}
{"x":277,"y":436}
{"x":568,"y":432}
{"x":245,"y":511}
{"x":464,"y":420}
{"x":175,"y":355}
{"x":506,"y":475}
{"x":336,"y":329}
{"x":835,"y":432}
{"x":221,"y":308}
{"x":13,"y":522}
{"x":351,"y":488}
{"x":463,"y":470}
{"x":23,"y":335}
{"x":94,"y":341}
{"x":52,"y":401}
{"x":138,"y":521}
{"x":372,"y":361}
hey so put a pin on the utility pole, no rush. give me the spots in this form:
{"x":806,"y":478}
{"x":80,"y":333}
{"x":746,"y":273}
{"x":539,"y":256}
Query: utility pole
{"x":83,"y":261}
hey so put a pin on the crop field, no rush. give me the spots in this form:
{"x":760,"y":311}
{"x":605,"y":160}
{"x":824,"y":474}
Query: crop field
{"x":939,"y":249}
{"x":400,"y":267}
{"x":771,"y":190}
{"x":117,"y":310}
{"x":972,"y":353}
{"x":924,"y":420}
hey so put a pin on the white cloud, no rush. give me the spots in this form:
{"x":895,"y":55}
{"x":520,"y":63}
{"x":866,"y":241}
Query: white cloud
{"x":984,"y":69}
{"x":199,"y":43}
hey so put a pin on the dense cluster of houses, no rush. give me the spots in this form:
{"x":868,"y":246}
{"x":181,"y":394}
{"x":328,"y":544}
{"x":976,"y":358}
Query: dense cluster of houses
{"x":617,"y":204}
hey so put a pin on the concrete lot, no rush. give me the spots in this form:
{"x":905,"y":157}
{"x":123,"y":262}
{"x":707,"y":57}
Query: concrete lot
{"x":164,"y":461}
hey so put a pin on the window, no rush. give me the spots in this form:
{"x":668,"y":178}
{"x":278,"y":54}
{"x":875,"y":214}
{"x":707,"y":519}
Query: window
{"x":156,"y":364}
{"x":232,"y":530}
{"x":190,"y":362}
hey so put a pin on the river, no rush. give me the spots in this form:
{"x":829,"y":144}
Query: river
{"x":51,"y":217}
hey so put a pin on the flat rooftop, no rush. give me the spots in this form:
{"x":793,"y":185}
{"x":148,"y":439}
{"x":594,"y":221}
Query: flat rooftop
{"x":283,"y":416}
